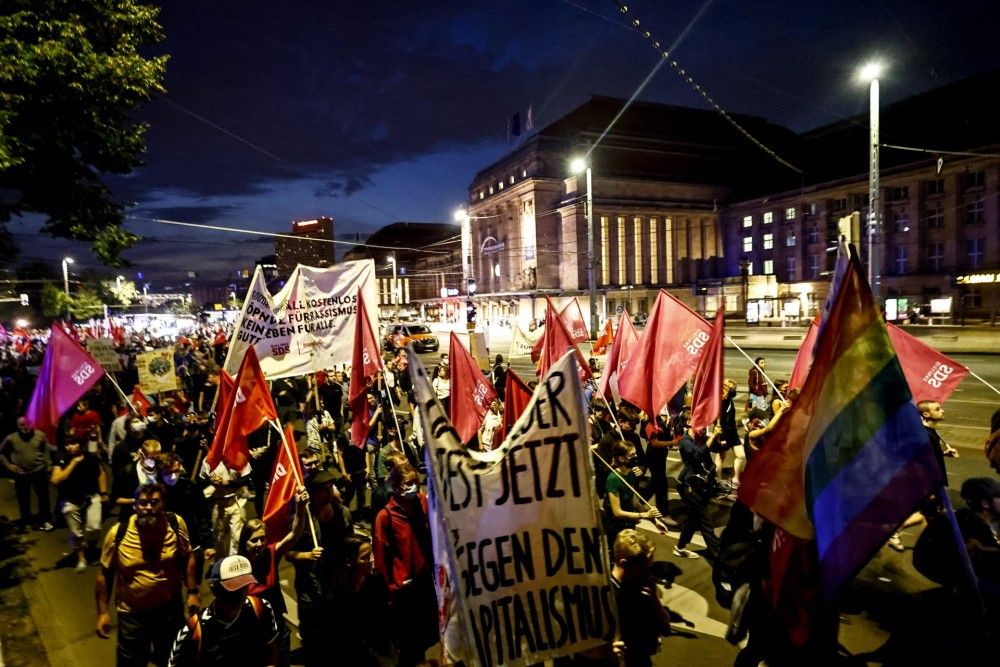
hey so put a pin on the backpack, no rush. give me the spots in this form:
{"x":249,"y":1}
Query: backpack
{"x":194,"y":623}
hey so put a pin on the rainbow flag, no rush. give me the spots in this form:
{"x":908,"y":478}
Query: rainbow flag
{"x":850,"y":460}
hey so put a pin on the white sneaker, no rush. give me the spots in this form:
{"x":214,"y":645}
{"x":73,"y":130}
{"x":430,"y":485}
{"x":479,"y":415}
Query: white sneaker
{"x":896,"y":543}
{"x":685,"y":553}
{"x":46,"y":527}
{"x":81,"y":567}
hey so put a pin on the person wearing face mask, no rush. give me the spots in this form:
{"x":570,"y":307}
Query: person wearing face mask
{"x":142,"y":470}
{"x":402,"y":544}
{"x":159,"y":426}
{"x":25,"y":454}
{"x":83,"y":486}
{"x":185,"y":498}
{"x":125,"y":451}
{"x":264,"y":559}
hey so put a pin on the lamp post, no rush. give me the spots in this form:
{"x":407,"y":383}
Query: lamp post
{"x":870,"y":74}
{"x":118,"y":283}
{"x":577,"y":166}
{"x":463,"y":218}
{"x":145,"y":297}
{"x":392,"y":291}
{"x":745,"y":273}
{"x":65,"y":264}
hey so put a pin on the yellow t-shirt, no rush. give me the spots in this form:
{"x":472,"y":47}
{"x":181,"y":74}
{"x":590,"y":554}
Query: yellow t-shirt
{"x":142,"y":585}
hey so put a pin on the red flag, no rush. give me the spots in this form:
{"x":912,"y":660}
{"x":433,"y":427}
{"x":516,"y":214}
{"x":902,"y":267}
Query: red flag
{"x":606,"y":338}
{"x":572,"y":317}
{"x":794,"y":586}
{"x":706,"y":390}
{"x":621,"y":350}
{"x":118,"y":335}
{"x":931,"y":375}
{"x":666,"y":355}
{"x":139,"y":401}
{"x":22,"y":340}
{"x":220,"y":337}
{"x":803,"y":359}
{"x":67,"y":373}
{"x":471,"y":393}
{"x":517,"y":395}
{"x":556,"y":341}
{"x":286,"y":476}
{"x":248,"y":407}
{"x":367,"y":361}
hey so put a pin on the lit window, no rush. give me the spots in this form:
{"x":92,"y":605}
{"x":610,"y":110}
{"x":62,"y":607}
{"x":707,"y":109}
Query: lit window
{"x":481,"y":194}
{"x":790,"y":213}
{"x":622,"y":278}
{"x":491,"y":189}
{"x":769,"y":217}
{"x":747,"y":244}
{"x":605,"y":252}
{"x":637,"y":249}
{"x":524,"y":173}
{"x":768,"y":241}
{"x":500,"y":185}
{"x":654,"y":259}
{"x":768,"y":267}
{"x":748,"y":221}
{"x":512,"y":179}
{"x":790,"y":240}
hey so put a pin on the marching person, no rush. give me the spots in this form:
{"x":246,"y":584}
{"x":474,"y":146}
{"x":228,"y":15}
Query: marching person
{"x":25,"y":454}
{"x":83,"y":487}
{"x":696,"y":484}
{"x":757,"y":383}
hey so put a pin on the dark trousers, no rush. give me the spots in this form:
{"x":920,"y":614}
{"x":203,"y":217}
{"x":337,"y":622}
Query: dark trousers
{"x":147,"y":636}
{"x":358,"y":486}
{"x":696,"y":519}
{"x":23,"y":484}
{"x":656,"y":459}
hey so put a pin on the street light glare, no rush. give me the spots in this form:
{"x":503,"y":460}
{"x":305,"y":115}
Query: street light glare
{"x":578,"y":165}
{"x":871,"y":71}
{"x":68,"y":260}
{"x":461,"y":215}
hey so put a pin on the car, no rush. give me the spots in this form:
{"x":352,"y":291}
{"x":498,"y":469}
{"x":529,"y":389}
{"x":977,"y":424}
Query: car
{"x":401,"y":334}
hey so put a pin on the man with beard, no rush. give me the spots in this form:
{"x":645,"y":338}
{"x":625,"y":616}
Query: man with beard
{"x":148,"y":558}
{"x":25,"y":454}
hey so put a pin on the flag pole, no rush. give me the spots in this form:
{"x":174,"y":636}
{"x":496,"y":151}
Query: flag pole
{"x":963,"y":553}
{"x":392,"y":406}
{"x":128,"y":401}
{"x":766,"y":377}
{"x":298,"y":480}
{"x":657,"y":521}
{"x":975,"y":375}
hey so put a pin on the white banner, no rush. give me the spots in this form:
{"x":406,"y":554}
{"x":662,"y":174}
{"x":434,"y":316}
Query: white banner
{"x":522,"y":341}
{"x":523,"y":571}
{"x":308,"y":325}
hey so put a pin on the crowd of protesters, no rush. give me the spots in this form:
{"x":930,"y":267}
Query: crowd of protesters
{"x":358,"y":537}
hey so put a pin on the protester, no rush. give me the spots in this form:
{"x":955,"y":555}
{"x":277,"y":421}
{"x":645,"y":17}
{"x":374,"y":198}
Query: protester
{"x":661,"y":440}
{"x":757,"y":382}
{"x":235,"y":629}
{"x":621,"y":507}
{"x":729,"y":438}
{"x":146,"y":560}
{"x":641,"y":618}
{"x":264,"y":559}
{"x":25,"y":454}
{"x":226,"y":490}
{"x":489,"y":432}
{"x":186,"y":499}
{"x":500,"y":376}
{"x":83,"y":487}
{"x":403,"y":556}
{"x":696,"y":484}
{"x":125,"y":480}
{"x":442,"y":386}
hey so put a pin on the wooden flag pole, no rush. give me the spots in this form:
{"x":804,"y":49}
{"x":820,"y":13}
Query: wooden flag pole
{"x":973,"y":374}
{"x":766,"y":376}
{"x":128,"y":401}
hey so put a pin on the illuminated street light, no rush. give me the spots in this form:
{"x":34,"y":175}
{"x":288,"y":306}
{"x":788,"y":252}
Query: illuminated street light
{"x":870,"y":73}
{"x":577,"y":166}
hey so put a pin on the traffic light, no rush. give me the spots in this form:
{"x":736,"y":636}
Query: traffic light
{"x":470,"y":312}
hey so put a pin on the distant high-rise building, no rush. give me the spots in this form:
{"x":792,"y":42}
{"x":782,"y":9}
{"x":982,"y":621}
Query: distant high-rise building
{"x":312,"y":245}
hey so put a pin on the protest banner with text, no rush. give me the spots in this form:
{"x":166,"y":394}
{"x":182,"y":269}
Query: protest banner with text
{"x":521,"y":559}
{"x":308,"y":325}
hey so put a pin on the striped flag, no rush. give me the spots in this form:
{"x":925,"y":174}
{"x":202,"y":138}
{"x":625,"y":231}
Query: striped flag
{"x":851,"y":459}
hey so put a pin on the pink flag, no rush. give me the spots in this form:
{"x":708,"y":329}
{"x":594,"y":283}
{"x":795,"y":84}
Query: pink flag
{"x":621,"y":349}
{"x":67,"y":373}
{"x":931,"y":375}
{"x":572,"y":317}
{"x":803,"y":359}
{"x":471,"y":393}
{"x":706,"y":391}
{"x":367,"y":361}
{"x":666,"y":355}
{"x":556,"y":341}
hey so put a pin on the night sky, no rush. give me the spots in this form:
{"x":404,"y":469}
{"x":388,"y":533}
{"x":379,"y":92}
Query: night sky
{"x":373,"y":112}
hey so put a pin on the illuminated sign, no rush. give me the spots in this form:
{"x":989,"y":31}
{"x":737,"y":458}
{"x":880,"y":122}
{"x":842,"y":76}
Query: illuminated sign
{"x":978,"y":279}
{"x":491,"y":246}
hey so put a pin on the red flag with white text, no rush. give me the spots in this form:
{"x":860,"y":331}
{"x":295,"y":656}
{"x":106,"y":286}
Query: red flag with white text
{"x":556,"y":341}
{"x":803,"y":358}
{"x":67,"y":373}
{"x":286,"y":475}
{"x":621,"y":349}
{"x":706,"y":389}
{"x":667,"y":353}
{"x":572,"y":316}
{"x":247,"y":408}
{"x":931,"y":375}
{"x":471,"y":393}
{"x":367,"y":361}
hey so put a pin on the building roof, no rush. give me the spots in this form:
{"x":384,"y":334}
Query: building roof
{"x":401,"y":235}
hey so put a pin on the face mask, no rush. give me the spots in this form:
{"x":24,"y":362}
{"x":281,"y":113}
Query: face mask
{"x":633,"y":461}
{"x":171,"y":478}
{"x":138,"y":427}
{"x":149,"y":465}
{"x":409,"y":491}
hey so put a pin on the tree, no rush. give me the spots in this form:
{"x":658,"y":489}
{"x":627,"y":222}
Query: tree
{"x":124,"y":292}
{"x":70,"y":72}
{"x":85,"y":303}
{"x":53,"y":301}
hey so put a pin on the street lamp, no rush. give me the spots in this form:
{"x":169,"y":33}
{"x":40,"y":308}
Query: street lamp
{"x":392,"y":292}
{"x":463,"y":218}
{"x":577,"y":166}
{"x":65,"y":264}
{"x":870,"y":74}
{"x":118,"y":283}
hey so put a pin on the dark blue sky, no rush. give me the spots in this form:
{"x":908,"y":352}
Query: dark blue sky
{"x":373,"y":112}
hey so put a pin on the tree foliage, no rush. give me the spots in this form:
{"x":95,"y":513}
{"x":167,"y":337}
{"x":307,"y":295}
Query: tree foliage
{"x":124,"y":292}
{"x":70,"y":71}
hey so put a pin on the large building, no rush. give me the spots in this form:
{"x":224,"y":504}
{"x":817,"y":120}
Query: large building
{"x":311,"y":244}
{"x":682,"y":201}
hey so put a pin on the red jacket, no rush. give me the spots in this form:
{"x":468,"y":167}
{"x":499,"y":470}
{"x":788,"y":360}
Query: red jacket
{"x":401,"y":543}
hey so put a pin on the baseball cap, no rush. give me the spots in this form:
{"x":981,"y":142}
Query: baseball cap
{"x":977,"y":489}
{"x":232,"y":573}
